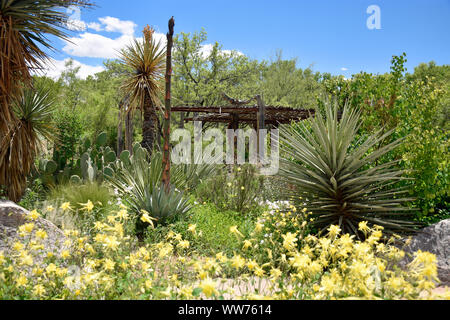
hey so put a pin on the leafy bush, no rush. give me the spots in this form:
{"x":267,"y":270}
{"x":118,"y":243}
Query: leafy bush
{"x":70,"y":129}
{"x":338,"y":178}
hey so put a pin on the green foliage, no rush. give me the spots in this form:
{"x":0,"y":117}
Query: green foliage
{"x":33,"y":195}
{"x":70,"y":130}
{"x":200,"y":78}
{"x":239,"y":190}
{"x":416,"y":106}
{"x":285,"y":84}
{"x":213,"y":229}
{"x":337,"y":176}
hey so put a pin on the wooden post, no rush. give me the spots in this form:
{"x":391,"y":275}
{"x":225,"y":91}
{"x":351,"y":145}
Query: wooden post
{"x":260,"y":125}
{"x":167,"y":111}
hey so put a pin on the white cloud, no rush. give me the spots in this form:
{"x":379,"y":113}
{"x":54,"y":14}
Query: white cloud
{"x":116,"y":25}
{"x":344,"y":69}
{"x":54,"y":68}
{"x":96,"y":46}
{"x":95,"y":26}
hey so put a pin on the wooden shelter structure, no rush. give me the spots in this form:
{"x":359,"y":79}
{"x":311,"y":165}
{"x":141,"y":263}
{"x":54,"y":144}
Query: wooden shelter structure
{"x":241,"y":112}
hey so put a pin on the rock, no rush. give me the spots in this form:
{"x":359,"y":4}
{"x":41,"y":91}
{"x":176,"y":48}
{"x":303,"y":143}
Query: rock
{"x":434,"y":239}
{"x":13,"y":216}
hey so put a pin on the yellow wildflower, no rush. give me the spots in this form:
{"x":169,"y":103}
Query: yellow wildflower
{"x":41,"y":234}
{"x":33,"y":215}
{"x":66,"y":206}
{"x":289,"y":241}
{"x":65,"y":254}
{"x":247,"y":244}
{"x":147,"y":218}
{"x":192,"y":228}
{"x":237,"y":262}
{"x":21,"y":281}
{"x":234,"y":230}
{"x":108,"y":264}
{"x":208,"y":287}
{"x":183,"y":244}
{"x":89,"y":206}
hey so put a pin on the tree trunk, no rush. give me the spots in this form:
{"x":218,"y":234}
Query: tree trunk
{"x":149,"y":124}
{"x":129,"y":132}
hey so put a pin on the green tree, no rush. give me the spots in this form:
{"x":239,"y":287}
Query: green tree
{"x":285,"y":84}
{"x":202,"y":72}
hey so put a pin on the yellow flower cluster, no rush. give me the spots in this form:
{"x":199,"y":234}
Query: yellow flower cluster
{"x":109,"y":264}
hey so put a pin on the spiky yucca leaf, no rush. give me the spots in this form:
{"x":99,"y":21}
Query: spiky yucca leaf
{"x":146,"y":60}
{"x":24,"y":27}
{"x":336,"y":174}
{"x":34,"y":122}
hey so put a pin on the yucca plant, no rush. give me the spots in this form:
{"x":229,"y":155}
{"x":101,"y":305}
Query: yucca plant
{"x":335,"y":174}
{"x":24,"y":27}
{"x":146,"y":61}
{"x":34,"y":112}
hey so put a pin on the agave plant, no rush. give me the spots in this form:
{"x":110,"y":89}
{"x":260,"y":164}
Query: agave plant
{"x":162,"y":204}
{"x":336,"y":175}
{"x":138,"y":181}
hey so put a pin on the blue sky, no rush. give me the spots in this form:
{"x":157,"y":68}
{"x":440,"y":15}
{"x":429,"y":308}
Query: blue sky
{"x":330,"y":35}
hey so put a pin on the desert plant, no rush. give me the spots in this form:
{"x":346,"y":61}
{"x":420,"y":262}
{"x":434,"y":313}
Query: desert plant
{"x":137,"y":180}
{"x":145,"y":59}
{"x":336,"y":176}
{"x":33,"y":111}
{"x":24,"y":29}
{"x":162,"y":204}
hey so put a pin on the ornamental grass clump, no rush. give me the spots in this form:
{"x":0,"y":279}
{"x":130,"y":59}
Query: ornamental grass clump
{"x":337,"y":177}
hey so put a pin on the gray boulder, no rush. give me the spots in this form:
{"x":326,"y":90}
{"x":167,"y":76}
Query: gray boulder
{"x":13,"y":216}
{"x":434,"y":239}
